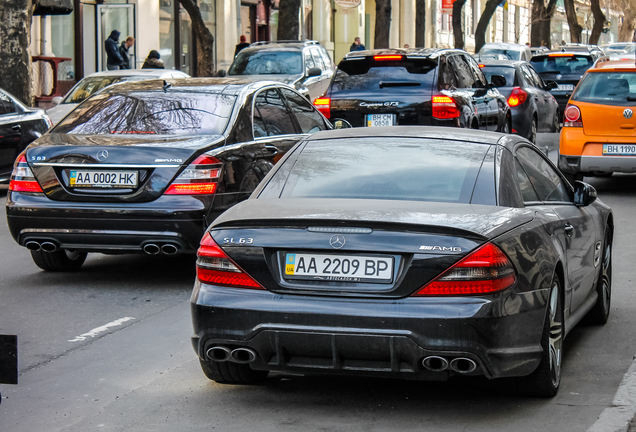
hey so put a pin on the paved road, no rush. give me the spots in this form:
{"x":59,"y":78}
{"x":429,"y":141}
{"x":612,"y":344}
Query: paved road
{"x":141,"y":374}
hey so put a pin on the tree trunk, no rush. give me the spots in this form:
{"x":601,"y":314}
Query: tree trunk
{"x":15,"y":59}
{"x":541,"y":18}
{"x":626,"y":30}
{"x":204,"y":38}
{"x":288,"y":20}
{"x":484,"y":20}
{"x":420,"y":23}
{"x":458,"y":30}
{"x":382,"y":23}
{"x":599,"y":21}
{"x":573,"y":22}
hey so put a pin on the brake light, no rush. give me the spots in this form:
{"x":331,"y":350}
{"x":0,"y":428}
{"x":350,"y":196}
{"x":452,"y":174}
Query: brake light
{"x":387,"y":57}
{"x":215,"y":267}
{"x":572,"y":116}
{"x":444,"y":107}
{"x":324,"y":106}
{"x":200,"y":177}
{"x":482,"y":65}
{"x":517,"y":97}
{"x":560,"y":55}
{"x":484,"y":271}
{"x":22,"y":178}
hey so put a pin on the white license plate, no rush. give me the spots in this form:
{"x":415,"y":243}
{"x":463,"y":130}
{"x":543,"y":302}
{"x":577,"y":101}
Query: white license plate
{"x":619,"y":149}
{"x":103,"y":179}
{"x":343,"y":268}
{"x":375,"y":120}
{"x":565,"y":87}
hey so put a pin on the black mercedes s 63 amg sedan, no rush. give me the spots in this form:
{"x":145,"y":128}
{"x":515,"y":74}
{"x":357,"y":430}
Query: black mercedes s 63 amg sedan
{"x":147,"y":166}
{"x":412,"y":252}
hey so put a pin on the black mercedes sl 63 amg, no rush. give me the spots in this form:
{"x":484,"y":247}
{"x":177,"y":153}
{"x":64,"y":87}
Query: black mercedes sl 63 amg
{"x":147,"y":166}
{"x":412,"y":252}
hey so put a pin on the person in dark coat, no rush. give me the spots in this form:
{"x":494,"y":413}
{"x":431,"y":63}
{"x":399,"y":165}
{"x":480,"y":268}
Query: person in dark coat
{"x":123,"y":51}
{"x":356,"y":45}
{"x":113,"y":57}
{"x":242,"y":45}
{"x":153,"y":61}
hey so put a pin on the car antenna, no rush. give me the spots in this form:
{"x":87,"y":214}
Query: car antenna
{"x":166,"y":85}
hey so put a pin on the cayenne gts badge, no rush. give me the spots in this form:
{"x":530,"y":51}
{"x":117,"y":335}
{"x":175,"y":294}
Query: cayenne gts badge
{"x":337,"y":241}
{"x":102,"y":155}
{"x":441,"y":248}
{"x":628,"y":113}
{"x":378,"y":104}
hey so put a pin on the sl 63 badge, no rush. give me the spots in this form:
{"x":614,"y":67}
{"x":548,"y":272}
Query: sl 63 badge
{"x":231,"y":240}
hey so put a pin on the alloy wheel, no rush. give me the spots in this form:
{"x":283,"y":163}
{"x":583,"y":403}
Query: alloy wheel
{"x":555,"y":319}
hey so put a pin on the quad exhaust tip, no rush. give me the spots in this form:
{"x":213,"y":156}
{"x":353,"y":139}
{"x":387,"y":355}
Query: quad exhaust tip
{"x":48,"y":247}
{"x":218,"y":353}
{"x":435,"y":363}
{"x":463,"y":365}
{"x":154,"y":249}
{"x":169,"y":249}
{"x":32,"y":245}
{"x":151,"y":249}
{"x":460,"y":365}
{"x":36,"y":245}
{"x":237,"y":355}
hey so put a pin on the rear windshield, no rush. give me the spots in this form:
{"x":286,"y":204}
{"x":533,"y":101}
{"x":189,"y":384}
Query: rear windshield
{"x":265,"y":62}
{"x":392,"y":76}
{"x":408,"y":169}
{"x":507,"y":72}
{"x":564,"y":64}
{"x":174,"y":113}
{"x":607,"y":88}
{"x":89,"y":86}
{"x":500,"y":53}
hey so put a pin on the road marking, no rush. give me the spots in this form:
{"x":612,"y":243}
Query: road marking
{"x":101,"y":329}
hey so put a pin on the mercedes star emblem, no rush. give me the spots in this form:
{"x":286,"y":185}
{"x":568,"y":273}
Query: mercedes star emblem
{"x":628,"y":113}
{"x":102,"y":155}
{"x":337,"y":241}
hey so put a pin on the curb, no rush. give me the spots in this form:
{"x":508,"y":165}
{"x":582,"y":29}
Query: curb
{"x":617,"y":417}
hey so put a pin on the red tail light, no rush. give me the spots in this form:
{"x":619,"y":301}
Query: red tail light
{"x":482,"y":65}
{"x":216,"y":268}
{"x":200,"y":177}
{"x":22,"y":178}
{"x":324,"y":106}
{"x":444,"y":107}
{"x":387,"y":57}
{"x":572,"y":116}
{"x":484,"y":271}
{"x":517,"y":97}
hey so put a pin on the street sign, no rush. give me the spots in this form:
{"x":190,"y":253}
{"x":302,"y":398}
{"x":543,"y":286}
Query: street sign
{"x":447,"y":6}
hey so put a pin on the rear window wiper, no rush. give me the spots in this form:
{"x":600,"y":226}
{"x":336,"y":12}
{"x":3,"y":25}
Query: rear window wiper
{"x":556,"y":72}
{"x":631,"y":99}
{"x":399,"y":84}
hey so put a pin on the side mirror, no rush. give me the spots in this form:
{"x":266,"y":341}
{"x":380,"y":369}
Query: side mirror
{"x":584,"y":194}
{"x":550,"y":85}
{"x":221,"y":73}
{"x":57,"y":100}
{"x":314,"y":71}
{"x":341,"y":124}
{"x":498,"y":80}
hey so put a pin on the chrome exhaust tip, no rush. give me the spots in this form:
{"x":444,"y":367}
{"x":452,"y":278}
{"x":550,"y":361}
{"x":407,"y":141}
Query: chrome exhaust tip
{"x":463,"y":365}
{"x":151,"y":249}
{"x":48,"y":247}
{"x":169,"y":249}
{"x":32,"y":245}
{"x":435,"y":363}
{"x":218,"y":354}
{"x":243,"y":355}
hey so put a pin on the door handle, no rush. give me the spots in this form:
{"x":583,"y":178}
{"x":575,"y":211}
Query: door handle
{"x":569,"y":229}
{"x":536,"y":97}
{"x":16,"y":128}
{"x":272,"y":148}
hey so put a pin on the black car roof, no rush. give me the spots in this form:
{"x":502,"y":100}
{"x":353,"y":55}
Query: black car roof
{"x":409,"y":52}
{"x":227,"y":85}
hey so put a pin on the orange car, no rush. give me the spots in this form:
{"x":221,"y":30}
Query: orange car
{"x":599,"y":127}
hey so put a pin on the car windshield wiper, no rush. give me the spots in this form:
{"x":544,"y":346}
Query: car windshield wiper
{"x":545,"y":72}
{"x":399,"y":84}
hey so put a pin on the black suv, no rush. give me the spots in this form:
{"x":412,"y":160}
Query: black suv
{"x":305,"y":65}
{"x":566,"y":66}
{"x":442,"y":87}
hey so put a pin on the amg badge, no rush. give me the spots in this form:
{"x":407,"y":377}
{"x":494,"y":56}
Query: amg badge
{"x":441,"y":248}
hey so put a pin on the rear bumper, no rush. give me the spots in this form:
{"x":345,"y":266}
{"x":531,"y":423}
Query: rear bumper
{"x":581,"y":154}
{"x":320,"y":335}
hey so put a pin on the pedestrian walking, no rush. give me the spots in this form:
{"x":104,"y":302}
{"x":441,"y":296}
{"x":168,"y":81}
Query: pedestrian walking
{"x":241,"y":45}
{"x":113,"y":57}
{"x":356,"y":45}
{"x":153,"y":61}
{"x":123,"y":51}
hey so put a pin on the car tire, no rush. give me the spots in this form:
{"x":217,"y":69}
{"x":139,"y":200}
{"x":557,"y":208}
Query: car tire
{"x":600,"y":312}
{"x":556,"y":122}
{"x":59,"y":261}
{"x":545,"y":380}
{"x":506,"y":126}
{"x":532,"y":136}
{"x":231,"y":373}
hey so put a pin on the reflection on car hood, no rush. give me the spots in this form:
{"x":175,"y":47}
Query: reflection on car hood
{"x":57,"y":113}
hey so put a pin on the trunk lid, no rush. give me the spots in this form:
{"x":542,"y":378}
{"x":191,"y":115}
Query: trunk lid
{"x":608,"y":121}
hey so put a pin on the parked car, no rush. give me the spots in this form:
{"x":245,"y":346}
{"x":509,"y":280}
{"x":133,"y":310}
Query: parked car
{"x":566,"y":67}
{"x":598,"y":134}
{"x":538,"y":50}
{"x":94,"y":82}
{"x":399,"y":252}
{"x":509,"y":51}
{"x":305,"y":65}
{"x":532,"y":106}
{"x":619,"y":48}
{"x":19,"y":125}
{"x":440,"y":87}
{"x":146,"y":166}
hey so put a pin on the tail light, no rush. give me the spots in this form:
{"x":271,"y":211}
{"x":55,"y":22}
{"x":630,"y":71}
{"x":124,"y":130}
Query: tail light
{"x":444,"y":107}
{"x":482,"y":65}
{"x":22,"y":178}
{"x":324,"y":106}
{"x":484,"y":271}
{"x":572,"y":116}
{"x":200,"y":177}
{"x":216,"y":268}
{"x":517,"y":97}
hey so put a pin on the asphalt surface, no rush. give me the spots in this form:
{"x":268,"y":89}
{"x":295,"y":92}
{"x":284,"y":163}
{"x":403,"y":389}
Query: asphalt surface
{"x":108,"y":348}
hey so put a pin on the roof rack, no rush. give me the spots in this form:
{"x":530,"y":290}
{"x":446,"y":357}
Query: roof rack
{"x":305,"y":42}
